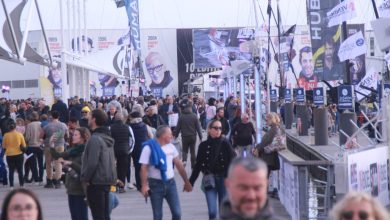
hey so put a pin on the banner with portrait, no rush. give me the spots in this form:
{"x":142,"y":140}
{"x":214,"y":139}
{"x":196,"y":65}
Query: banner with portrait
{"x":214,"y":47}
{"x":55,"y":78}
{"x":358,"y":64}
{"x":185,"y":62}
{"x":160,"y":61}
{"x":325,"y":42}
{"x":108,"y":83}
{"x":368,"y":171}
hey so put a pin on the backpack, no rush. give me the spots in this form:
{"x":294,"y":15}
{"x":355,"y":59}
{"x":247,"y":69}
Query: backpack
{"x":278,"y":143}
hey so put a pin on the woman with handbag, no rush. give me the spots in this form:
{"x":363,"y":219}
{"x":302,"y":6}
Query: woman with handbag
{"x":213,"y":159}
{"x":14,"y":145}
{"x":273,"y":141}
{"x":72,"y":159}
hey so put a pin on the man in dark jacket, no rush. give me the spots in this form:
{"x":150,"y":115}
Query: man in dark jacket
{"x":189,"y":126}
{"x":120,"y":132}
{"x":141,"y":132}
{"x":98,"y":167}
{"x":152,"y":118}
{"x":61,"y":107}
{"x":75,"y":110}
{"x":220,"y":117}
{"x":169,"y":108}
{"x":247,"y":175}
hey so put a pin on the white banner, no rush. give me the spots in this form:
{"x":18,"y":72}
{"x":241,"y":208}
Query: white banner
{"x":344,"y":11}
{"x":384,"y":8}
{"x":368,"y":172}
{"x":352,"y":47}
{"x":370,"y":80}
{"x":289,"y":188}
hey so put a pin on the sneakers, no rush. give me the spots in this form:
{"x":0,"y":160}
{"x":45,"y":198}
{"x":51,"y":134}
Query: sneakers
{"x":11,"y":188}
{"x":49,"y":184}
{"x":131,"y":186}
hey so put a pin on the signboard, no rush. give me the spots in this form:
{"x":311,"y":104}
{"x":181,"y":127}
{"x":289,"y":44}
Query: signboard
{"x":287,"y":95}
{"x":368,"y":171}
{"x":319,"y":96}
{"x":325,"y":41}
{"x":289,"y":188}
{"x":213,"y":46}
{"x":345,"y":97}
{"x":300,"y":95}
{"x":108,"y":91}
{"x":273,"y":95}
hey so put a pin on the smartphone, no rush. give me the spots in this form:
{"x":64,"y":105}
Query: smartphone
{"x":58,"y":134}
{"x":146,"y":198}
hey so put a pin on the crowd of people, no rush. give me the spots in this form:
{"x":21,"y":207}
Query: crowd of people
{"x":92,"y":147}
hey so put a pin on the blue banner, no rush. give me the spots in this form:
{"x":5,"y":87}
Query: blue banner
{"x":133,"y":14}
{"x":273,"y":95}
{"x":108,"y":91}
{"x":287,"y":95}
{"x":319,"y":96}
{"x":300,"y":95}
{"x":345,"y":97}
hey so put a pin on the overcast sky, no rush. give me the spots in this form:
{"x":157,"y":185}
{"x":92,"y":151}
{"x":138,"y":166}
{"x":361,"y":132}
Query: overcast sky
{"x":103,"y":14}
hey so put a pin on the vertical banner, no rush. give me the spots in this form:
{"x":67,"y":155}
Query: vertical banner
{"x":325,"y":42}
{"x":300,"y":95}
{"x":368,"y":171}
{"x":319,"y":96}
{"x":287,"y":95}
{"x":274,"y":95}
{"x":358,"y":64}
{"x":160,"y":61}
{"x":55,"y":79}
{"x":133,"y":14}
{"x":108,"y":84}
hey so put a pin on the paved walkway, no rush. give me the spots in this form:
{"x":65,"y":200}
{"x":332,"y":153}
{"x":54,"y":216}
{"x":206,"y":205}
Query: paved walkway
{"x":132,"y":204}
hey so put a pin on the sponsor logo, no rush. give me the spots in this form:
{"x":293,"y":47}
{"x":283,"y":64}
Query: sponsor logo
{"x":360,"y":42}
{"x":318,"y":92}
{"x":344,"y":92}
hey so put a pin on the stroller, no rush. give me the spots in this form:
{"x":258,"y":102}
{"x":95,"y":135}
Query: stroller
{"x":3,"y":169}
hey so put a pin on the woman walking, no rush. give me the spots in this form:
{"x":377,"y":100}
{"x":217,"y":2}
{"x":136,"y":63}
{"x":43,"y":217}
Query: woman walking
{"x":14,"y":145}
{"x":72,"y":160}
{"x":213,"y":159}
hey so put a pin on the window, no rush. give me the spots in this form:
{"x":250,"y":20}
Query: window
{"x":5,"y":83}
{"x":17,"y":84}
{"x":33,"y":83}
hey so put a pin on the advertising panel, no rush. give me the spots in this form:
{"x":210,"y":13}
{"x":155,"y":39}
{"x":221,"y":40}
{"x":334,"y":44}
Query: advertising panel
{"x":368,"y":172}
{"x":289,"y":188}
{"x":345,"y":97}
{"x":319,"y":96}
{"x":214,"y":47}
{"x":325,"y":42}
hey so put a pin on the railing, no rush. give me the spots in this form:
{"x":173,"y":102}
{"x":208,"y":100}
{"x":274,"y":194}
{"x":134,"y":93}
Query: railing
{"x":303,"y":195}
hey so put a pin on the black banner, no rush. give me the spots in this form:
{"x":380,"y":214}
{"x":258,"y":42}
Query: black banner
{"x":325,"y":41}
{"x":186,"y":67}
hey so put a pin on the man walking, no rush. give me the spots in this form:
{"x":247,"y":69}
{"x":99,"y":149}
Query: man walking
{"x":189,"y":126}
{"x":246,"y":186}
{"x":59,"y":130}
{"x":98,"y":167}
{"x":157,"y":175}
{"x":243,"y":135}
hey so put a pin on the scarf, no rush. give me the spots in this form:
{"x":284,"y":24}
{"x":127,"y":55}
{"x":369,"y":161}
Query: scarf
{"x":158,"y":159}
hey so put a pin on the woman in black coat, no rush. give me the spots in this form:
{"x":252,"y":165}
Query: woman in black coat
{"x":214,"y":156}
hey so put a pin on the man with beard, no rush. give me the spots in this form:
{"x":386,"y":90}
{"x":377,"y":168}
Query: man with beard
{"x":332,"y":69}
{"x":307,"y":79}
{"x":246,"y":187}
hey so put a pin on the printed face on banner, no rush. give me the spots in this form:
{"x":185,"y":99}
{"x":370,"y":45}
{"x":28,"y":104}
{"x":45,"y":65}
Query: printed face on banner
{"x":107,"y":81}
{"x":160,"y":61}
{"x":307,"y":78}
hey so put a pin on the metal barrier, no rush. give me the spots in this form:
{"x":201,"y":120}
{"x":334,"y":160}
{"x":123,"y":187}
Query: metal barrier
{"x":303,"y":195}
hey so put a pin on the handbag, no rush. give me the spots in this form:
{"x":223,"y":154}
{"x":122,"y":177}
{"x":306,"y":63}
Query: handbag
{"x":208,"y":180}
{"x":278,"y":143}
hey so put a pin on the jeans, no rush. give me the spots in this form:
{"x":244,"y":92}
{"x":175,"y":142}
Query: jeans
{"x":189,"y":142}
{"x":98,"y":200}
{"x":219,"y":192}
{"x":244,"y":151}
{"x":113,"y":201}
{"x":78,"y":207}
{"x":128,"y":174}
{"x":137,"y":169}
{"x":164,"y":190}
{"x":122,"y":167}
{"x":32,"y":162}
{"x":15,"y":163}
{"x":57,"y":165}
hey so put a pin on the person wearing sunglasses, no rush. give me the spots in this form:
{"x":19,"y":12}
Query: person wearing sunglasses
{"x":358,"y":206}
{"x":213,"y":159}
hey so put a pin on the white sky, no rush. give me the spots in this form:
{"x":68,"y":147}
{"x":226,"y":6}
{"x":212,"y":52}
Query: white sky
{"x":103,"y":14}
